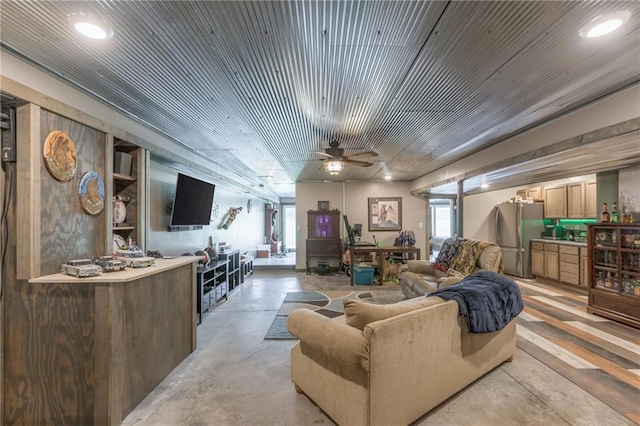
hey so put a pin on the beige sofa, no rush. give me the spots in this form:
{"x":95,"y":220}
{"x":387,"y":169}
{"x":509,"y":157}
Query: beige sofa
{"x":390,"y":364}
{"x":423,"y":278}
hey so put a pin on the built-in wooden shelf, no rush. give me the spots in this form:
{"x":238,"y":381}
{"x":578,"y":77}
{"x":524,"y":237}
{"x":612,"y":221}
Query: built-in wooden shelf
{"x":119,"y":176}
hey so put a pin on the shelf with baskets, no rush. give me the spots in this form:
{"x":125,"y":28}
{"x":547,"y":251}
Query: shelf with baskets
{"x":614,"y":258}
{"x":212,"y":281}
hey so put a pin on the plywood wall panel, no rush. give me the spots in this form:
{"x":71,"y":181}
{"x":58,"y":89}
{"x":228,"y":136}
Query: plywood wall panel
{"x":66,"y":231}
{"x":49,"y":370}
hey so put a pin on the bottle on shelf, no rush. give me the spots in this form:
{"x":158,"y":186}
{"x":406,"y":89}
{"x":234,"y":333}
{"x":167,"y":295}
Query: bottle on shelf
{"x":626,"y":216}
{"x":604,"y":216}
{"x":615,"y":215}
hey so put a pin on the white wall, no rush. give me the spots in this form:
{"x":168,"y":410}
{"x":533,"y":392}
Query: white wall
{"x":478,"y":218}
{"x":245,"y":233}
{"x":351,"y":199}
{"x":629,"y":190}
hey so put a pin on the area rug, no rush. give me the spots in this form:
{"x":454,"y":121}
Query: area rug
{"x":327,"y":303}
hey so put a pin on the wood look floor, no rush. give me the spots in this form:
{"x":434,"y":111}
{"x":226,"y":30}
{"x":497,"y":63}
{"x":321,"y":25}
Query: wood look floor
{"x":599,"y":355}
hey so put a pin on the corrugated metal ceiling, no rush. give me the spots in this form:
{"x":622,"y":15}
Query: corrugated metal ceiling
{"x":259,"y":86}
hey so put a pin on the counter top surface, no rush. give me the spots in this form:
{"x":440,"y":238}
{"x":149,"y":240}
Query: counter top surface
{"x":129,"y":274}
{"x":564,"y":242}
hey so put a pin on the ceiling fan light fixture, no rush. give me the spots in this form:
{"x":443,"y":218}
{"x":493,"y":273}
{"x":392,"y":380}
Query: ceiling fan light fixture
{"x":90,"y":26}
{"x":333,"y":167}
{"x":604,"y":24}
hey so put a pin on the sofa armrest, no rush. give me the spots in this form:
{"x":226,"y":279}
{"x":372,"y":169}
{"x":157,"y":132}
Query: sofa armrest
{"x":329,"y":342}
{"x":447,"y":281}
{"x":421,"y":267}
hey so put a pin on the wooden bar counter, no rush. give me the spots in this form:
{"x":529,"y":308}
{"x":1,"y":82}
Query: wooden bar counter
{"x":90,"y":349}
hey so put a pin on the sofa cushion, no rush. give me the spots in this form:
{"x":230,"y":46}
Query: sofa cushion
{"x":421,"y":267}
{"x":489,"y":257}
{"x":358,"y":313}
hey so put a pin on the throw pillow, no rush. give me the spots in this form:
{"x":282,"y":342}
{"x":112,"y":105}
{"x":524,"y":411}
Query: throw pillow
{"x":358,"y":313}
{"x":453,"y":273}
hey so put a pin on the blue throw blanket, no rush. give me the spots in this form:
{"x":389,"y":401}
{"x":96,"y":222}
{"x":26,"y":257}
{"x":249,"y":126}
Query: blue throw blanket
{"x":488,"y":300}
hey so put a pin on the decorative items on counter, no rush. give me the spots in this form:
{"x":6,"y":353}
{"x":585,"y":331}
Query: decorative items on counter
{"x":80,"y":268}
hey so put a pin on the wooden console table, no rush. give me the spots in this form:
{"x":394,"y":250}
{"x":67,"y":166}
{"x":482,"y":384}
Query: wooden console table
{"x":92,"y":348}
{"x":380,"y":252}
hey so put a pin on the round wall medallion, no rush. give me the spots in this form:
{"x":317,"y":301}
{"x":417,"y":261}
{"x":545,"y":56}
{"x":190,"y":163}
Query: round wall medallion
{"x":91,"y":193}
{"x":60,"y":156}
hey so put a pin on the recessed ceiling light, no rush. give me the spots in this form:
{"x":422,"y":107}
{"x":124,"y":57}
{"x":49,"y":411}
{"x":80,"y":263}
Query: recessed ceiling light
{"x":90,"y":26}
{"x":604,"y":24}
{"x":387,"y":177}
{"x":484,"y":185}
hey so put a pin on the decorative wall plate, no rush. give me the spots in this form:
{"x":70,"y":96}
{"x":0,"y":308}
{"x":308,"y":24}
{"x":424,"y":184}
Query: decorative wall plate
{"x":119,"y":210}
{"x":91,"y":193}
{"x":60,"y":156}
{"x":118,"y":242}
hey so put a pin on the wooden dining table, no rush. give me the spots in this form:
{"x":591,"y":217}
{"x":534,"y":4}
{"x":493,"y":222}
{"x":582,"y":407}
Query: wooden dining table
{"x":381,"y":255}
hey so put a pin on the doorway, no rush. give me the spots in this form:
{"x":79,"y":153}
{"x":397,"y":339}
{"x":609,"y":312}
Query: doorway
{"x":442,"y":223}
{"x":289,"y":227}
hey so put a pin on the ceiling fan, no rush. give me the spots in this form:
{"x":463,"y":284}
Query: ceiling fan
{"x":336,"y":154}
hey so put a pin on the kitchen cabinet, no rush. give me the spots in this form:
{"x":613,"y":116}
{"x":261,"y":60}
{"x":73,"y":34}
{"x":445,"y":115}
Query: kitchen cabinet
{"x":590,"y":200}
{"x":575,"y":200}
{"x":569,"y":266}
{"x":537,"y":259}
{"x":614,"y":259}
{"x":551,"y":258}
{"x":534,"y":193}
{"x":555,"y":204}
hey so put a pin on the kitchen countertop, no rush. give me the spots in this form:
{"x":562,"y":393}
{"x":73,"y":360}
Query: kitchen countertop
{"x":564,"y":242}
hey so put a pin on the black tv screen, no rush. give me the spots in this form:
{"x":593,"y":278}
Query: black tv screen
{"x":193,"y":201}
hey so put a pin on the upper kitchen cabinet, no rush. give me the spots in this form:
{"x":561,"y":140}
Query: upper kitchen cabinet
{"x":555,"y":202}
{"x":535,"y":193}
{"x":590,"y":200}
{"x":575,"y":200}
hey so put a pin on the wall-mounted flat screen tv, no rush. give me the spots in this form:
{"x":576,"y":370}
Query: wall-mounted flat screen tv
{"x":193,"y":201}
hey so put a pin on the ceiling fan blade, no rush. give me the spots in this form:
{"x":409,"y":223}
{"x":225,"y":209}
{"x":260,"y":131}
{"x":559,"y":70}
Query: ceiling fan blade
{"x":357,"y":163}
{"x":362,"y":154}
{"x":324,"y":154}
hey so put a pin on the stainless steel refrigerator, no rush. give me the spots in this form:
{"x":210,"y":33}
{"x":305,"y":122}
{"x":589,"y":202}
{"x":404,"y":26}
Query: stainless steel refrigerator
{"x":516,"y":224}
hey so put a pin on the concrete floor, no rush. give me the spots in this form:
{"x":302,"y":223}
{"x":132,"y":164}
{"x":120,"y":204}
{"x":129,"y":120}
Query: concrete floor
{"x":235,"y":377}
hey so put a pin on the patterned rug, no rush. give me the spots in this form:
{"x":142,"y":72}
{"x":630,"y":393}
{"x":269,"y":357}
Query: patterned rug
{"x":327,"y":303}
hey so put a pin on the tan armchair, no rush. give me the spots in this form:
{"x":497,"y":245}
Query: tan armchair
{"x":423,"y":278}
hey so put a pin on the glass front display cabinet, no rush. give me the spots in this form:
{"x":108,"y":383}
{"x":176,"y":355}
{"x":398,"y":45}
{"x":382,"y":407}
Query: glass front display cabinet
{"x":614,"y":260}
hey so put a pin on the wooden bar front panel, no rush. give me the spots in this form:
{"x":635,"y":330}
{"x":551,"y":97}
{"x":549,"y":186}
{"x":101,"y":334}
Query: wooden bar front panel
{"x":89,"y":352}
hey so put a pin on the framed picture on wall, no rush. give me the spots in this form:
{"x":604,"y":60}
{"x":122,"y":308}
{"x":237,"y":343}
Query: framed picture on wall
{"x":323,"y":205}
{"x":385,"y":214}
